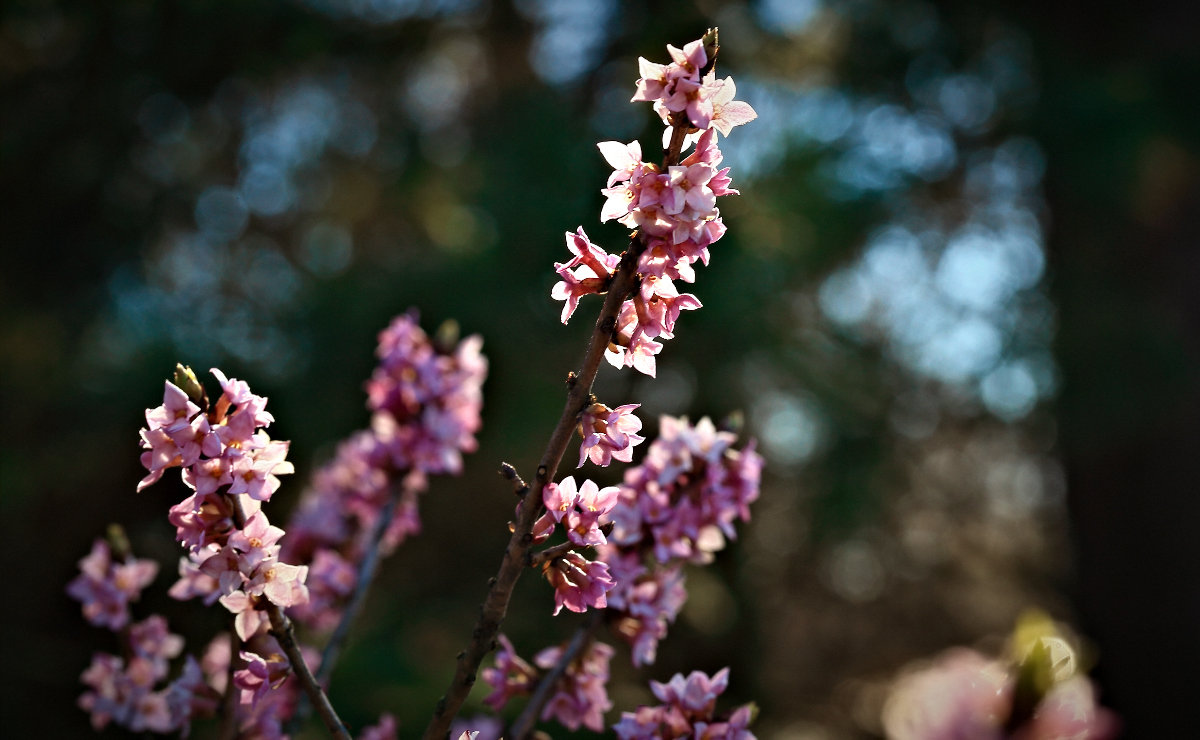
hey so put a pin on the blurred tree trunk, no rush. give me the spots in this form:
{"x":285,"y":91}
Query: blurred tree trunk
{"x":1123,"y":184}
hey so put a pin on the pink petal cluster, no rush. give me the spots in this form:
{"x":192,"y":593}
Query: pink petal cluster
{"x":609,"y":434}
{"x":578,"y":583}
{"x":260,"y":675}
{"x":426,"y":401}
{"x":125,"y":691}
{"x":231,"y":466}
{"x":581,"y":510}
{"x":268,"y":693}
{"x":226,"y":447}
{"x":678,"y":88}
{"x":509,"y":676}
{"x":580,"y":696}
{"x":966,"y":694}
{"x":645,"y":600}
{"x":687,"y":710}
{"x":689,"y":490}
{"x":426,"y":398}
{"x":674,"y":210}
{"x":106,"y":587}
{"x":588,"y":271}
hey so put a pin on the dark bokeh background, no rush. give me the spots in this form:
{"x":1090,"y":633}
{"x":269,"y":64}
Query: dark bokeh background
{"x":959,"y":305}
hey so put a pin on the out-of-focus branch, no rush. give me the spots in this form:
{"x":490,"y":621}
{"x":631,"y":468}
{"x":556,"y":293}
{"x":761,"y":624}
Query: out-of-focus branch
{"x":523,"y":727}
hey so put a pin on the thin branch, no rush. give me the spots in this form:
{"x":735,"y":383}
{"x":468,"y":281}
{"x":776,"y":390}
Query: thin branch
{"x":523,"y":727}
{"x":537,"y":559}
{"x":281,"y":629}
{"x":229,"y":700}
{"x":366,"y":574}
{"x":500,"y":588}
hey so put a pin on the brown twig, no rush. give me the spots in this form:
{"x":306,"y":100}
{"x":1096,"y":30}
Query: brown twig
{"x":500,"y":588}
{"x":541,"y":557}
{"x":281,"y":629}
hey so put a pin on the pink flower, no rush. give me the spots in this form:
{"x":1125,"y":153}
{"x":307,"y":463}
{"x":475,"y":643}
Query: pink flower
{"x":687,"y":712}
{"x":609,"y":434}
{"x":479,"y":727}
{"x":696,"y":694}
{"x":193,"y":581}
{"x":261,"y":675}
{"x":255,"y":543}
{"x":690,"y":184}
{"x":248,"y":621}
{"x":629,"y":347}
{"x":583,"y":510}
{"x":578,"y":582}
{"x":594,"y":267}
{"x":282,"y":584}
{"x":510,"y":676}
{"x":150,"y":640}
{"x":727,"y":112}
{"x":658,"y":305}
{"x":573,"y":286}
{"x":254,"y":474}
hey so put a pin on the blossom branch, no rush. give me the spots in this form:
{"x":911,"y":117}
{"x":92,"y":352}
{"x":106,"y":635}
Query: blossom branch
{"x":523,"y":727}
{"x":495,"y":606}
{"x":281,"y":630}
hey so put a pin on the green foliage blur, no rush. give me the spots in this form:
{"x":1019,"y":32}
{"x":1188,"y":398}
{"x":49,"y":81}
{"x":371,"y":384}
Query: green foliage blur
{"x":958,"y":305}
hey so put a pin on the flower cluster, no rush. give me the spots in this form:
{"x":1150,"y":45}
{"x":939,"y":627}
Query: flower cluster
{"x":678,"y":506}
{"x":509,"y":676}
{"x":425,"y":397}
{"x":673,"y":207}
{"x":129,"y":691}
{"x":609,"y":434}
{"x":262,"y":681}
{"x":106,"y":586}
{"x":687,"y":710}
{"x":645,"y":601}
{"x":426,"y":400}
{"x":964,"y":693}
{"x":689,"y":490}
{"x":580,"y":694}
{"x":583,"y":511}
{"x":231,"y":466}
